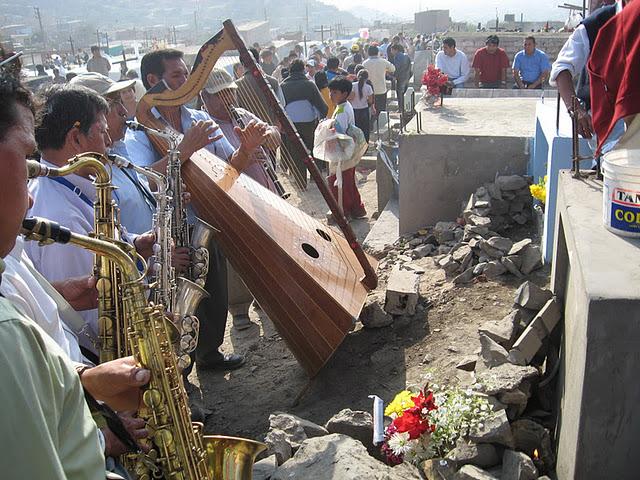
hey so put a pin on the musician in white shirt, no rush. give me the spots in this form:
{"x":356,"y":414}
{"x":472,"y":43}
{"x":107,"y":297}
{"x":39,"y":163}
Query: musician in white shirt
{"x":73,"y":122}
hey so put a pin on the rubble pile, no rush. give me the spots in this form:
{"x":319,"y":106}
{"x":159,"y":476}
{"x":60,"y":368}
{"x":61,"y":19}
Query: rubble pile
{"x":475,"y":245}
{"x":510,"y":369}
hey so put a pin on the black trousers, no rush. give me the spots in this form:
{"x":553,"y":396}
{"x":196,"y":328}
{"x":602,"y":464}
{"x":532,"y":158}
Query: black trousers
{"x":212,"y":311}
{"x":380,"y":102}
{"x":363,"y":120}
{"x":306,"y":131}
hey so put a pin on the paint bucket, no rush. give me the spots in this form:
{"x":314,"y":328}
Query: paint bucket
{"x":621,"y":192}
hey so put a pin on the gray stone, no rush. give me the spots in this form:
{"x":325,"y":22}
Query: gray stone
{"x":443,"y":231}
{"x":494,"y":191}
{"x":518,"y":466}
{"x":423,"y":250}
{"x":438,"y":469}
{"x":339,"y":457}
{"x":529,"y":435}
{"x":499,"y":207}
{"x":298,"y":429}
{"x":502,"y":331}
{"x":479,"y":221}
{"x":449,"y":265}
{"x":520,"y":218}
{"x":470,"y":472}
{"x":494,"y":429}
{"x":459,"y":254}
{"x":479,"y":268}
{"x":264,"y":469}
{"x":278,"y":445}
{"x":443,"y":250}
{"x":373,"y":314}
{"x":414,"y":242}
{"x":531,"y":296}
{"x":431,"y":240}
{"x":355,"y":424}
{"x":516,"y":206}
{"x":501,"y":243}
{"x":474,"y":242}
{"x":464,"y":277}
{"x":403,"y":292}
{"x":516,"y":402}
{"x":531,"y":340}
{"x":494,"y":269}
{"x":504,"y":378}
{"x":531,"y":259}
{"x":483,"y":204}
{"x":482,"y":192}
{"x":468,"y":364}
{"x":480,"y":455}
{"x":467,"y":261}
{"x":489,"y":250}
{"x":511,"y":266}
{"x":511,"y":182}
{"x":476,"y":230}
{"x":519,"y":246}
{"x":491,"y":352}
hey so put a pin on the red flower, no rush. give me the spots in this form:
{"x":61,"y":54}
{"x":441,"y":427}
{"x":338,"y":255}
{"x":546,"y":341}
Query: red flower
{"x":433,"y":79}
{"x":411,"y":422}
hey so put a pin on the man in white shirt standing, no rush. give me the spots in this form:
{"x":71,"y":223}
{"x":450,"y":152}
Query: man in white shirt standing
{"x":378,"y":67}
{"x":453,"y":63}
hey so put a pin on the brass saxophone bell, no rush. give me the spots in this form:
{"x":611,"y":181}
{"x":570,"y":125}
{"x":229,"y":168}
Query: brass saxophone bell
{"x":188,"y":296}
{"x":231,"y":458}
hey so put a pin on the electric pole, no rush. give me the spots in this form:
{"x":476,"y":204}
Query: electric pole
{"x":39,"y":17}
{"x":98,"y":36}
{"x":73,"y":50}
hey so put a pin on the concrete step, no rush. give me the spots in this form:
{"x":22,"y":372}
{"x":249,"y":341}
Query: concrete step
{"x":385,"y":231}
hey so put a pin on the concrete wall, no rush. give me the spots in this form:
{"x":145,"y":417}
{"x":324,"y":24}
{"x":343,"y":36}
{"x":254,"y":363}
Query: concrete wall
{"x":438,"y":172}
{"x":595,"y":276}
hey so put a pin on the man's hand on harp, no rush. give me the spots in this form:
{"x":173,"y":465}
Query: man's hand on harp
{"x":251,"y":137}
{"x":199,"y":135}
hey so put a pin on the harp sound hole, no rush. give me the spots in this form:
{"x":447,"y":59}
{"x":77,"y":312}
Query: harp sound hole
{"x":323,"y":234}
{"x":309,"y":250}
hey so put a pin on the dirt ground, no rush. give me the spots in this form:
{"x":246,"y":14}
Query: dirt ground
{"x":380,"y":361}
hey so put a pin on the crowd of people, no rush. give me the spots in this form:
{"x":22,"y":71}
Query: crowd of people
{"x":49,"y":333}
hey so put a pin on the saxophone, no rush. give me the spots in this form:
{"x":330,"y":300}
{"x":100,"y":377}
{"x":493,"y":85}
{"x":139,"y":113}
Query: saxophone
{"x":179,"y":295}
{"x":196,"y":239}
{"x":111,"y":321}
{"x":179,"y":451}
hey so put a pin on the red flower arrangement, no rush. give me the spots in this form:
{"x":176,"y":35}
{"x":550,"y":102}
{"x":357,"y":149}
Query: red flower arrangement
{"x":410,"y":430}
{"x":434,"y":79}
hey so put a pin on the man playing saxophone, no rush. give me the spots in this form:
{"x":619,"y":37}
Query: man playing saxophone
{"x":72,"y":121}
{"x":50,"y":417}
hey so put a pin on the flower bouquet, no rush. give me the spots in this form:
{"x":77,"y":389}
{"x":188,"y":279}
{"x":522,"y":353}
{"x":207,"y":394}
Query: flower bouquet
{"x":539,"y":190}
{"x":427,"y":425}
{"x":407,"y":438}
{"x":433,"y":83}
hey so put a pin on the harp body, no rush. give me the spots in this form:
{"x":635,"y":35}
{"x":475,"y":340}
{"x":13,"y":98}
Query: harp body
{"x":308,"y":278}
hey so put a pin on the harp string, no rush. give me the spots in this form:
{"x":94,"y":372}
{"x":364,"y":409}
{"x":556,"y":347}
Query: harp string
{"x":247,"y":95}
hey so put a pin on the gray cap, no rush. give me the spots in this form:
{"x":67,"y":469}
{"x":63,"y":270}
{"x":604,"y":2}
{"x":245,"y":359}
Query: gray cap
{"x":219,"y":80}
{"x":100,"y":84}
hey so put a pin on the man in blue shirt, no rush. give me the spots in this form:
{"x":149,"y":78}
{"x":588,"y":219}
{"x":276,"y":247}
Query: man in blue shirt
{"x":531,"y":66}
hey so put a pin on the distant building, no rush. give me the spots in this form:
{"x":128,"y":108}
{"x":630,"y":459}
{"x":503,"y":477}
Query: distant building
{"x":432,"y":21}
{"x":257,"y":31}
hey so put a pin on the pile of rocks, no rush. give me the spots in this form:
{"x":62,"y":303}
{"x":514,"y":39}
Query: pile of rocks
{"x":473,"y":246}
{"x":501,"y":204}
{"x":501,"y":448}
{"x":340,"y":450}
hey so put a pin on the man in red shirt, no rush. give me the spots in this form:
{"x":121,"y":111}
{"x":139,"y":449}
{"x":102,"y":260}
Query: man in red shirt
{"x":614,"y":68}
{"x":490,"y":64}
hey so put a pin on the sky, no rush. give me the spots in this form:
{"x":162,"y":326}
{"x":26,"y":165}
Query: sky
{"x":467,"y":10}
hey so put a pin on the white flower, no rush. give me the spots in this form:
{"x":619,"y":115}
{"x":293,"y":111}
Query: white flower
{"x":400,"y":444}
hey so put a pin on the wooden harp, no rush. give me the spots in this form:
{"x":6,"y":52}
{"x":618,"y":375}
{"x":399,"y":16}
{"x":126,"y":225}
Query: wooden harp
{"x":308,"y":278}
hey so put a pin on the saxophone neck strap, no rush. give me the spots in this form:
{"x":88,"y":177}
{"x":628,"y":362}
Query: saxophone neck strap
{"x":66,"y":183}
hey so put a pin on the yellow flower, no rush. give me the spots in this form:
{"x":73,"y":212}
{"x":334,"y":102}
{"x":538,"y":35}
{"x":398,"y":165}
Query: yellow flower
{"x":539,"y":190}
{"x":400,"y":403}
